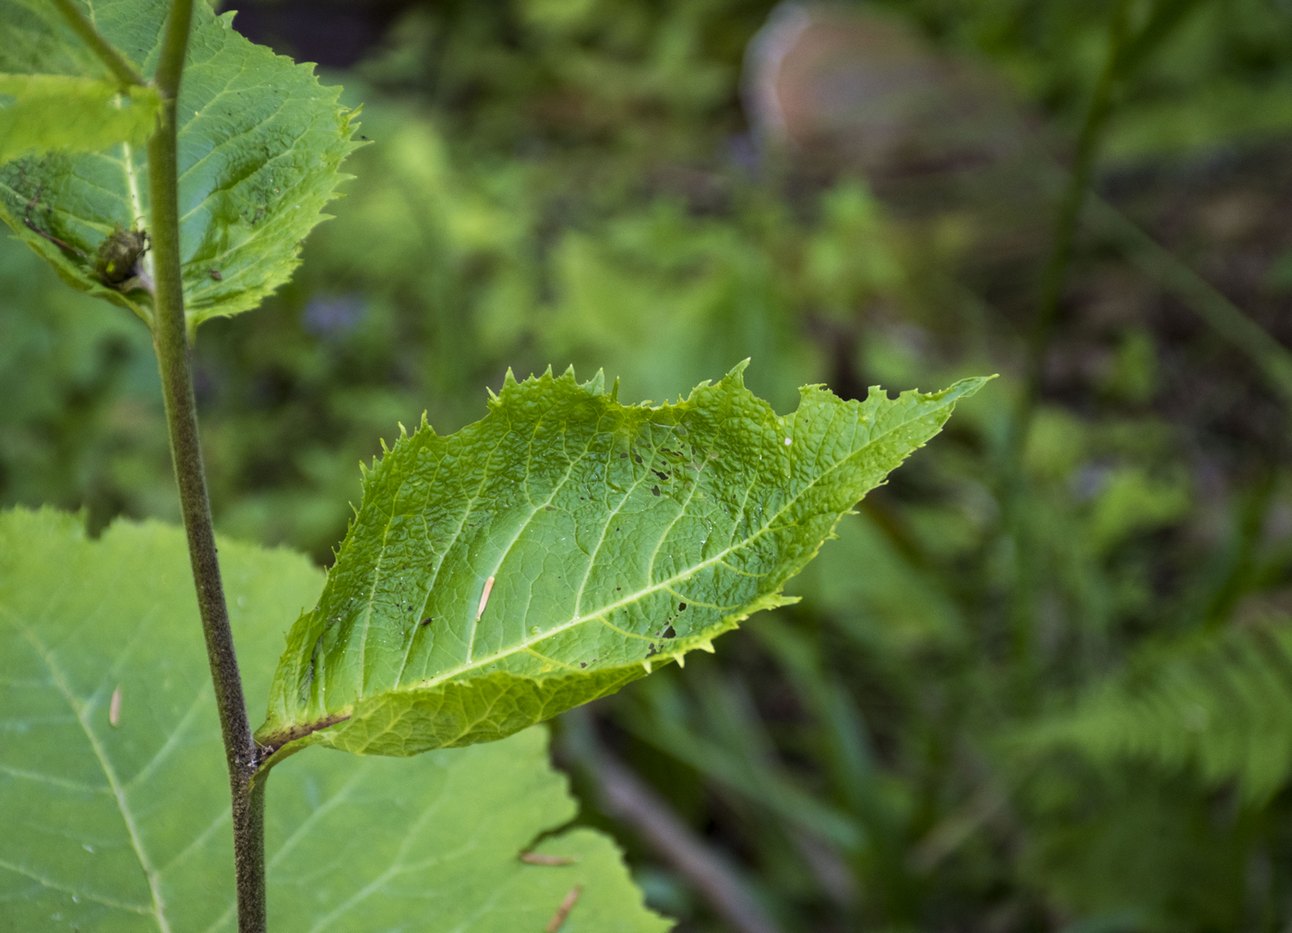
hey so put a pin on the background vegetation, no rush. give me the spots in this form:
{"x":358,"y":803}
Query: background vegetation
{"x":1044,"y":679}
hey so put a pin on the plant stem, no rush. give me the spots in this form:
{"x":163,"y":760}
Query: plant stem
{"x":1012,"y":477}
{"x":1055,"y":273}
{"x":170,"y":337}
{"x":630,"y":801}
{"x":1226,"y":320}
{"x":121,"y":69}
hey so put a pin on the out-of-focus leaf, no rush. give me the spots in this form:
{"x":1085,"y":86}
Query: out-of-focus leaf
{"x":113,"y":791}
{"x":42,"y":112}
{"x":563,"y":545}
{"x":260,"y":143}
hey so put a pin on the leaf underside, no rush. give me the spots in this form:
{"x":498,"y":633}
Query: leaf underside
{"x":260,"y":143}
{"x":564,"y":545}
{"x":125,"y":826}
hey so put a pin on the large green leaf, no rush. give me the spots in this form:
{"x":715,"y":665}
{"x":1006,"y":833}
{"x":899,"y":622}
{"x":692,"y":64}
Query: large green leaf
{"x":260,"y":142}
{"x":563,"y":545}
{"x":126,"y":826}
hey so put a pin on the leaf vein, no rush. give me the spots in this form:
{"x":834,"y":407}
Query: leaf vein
{"x":144,"y":909}
{"x":632,"y":598}
{"x":601,"y":540}
{"x":110,"y":775}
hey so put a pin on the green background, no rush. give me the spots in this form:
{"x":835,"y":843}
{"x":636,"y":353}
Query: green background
{"x":1043,"y":691}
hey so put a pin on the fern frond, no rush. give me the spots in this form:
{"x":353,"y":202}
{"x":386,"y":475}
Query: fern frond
{"x":1219,"y":704}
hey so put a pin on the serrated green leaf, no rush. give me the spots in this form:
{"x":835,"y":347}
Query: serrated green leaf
{"x":563,"y":545}
{"x":126,"y":826}
{"x":40,"y":112}
{"x":260,"y":143}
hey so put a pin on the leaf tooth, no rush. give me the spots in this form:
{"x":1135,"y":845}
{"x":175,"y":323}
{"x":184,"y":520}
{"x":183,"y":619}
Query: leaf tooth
{"x":646,"y":665}
{"x":706,"y":645}
{"x":737,"y":374}
{"x":680,"y":658}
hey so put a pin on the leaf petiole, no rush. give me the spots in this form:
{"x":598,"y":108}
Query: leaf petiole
{"x":85,"y":30}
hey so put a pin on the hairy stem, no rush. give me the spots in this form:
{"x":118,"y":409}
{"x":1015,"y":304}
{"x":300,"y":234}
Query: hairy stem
{"x":121,"y":69}
{"x":170,"y":336}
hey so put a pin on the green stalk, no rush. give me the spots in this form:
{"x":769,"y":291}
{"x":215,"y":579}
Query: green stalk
{"x":121,"y":69}
{"x":1226,"y":320}
{"x":1012,"y":477}
{"x":1055,"y":273}
{"x":170,"y":337}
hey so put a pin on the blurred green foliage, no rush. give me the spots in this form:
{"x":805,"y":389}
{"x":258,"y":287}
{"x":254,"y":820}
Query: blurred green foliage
{"x":1049,"y":703}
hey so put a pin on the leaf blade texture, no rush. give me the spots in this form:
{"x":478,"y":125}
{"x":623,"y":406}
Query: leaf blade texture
{"x":115,"y":799}
{"x":260,"y":144}
{"x":565,"y":544}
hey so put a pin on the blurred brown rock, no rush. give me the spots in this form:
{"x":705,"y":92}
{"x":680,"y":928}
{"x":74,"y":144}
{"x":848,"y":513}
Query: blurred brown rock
{"x":852,"y":88}
{"x":833,"y":90}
